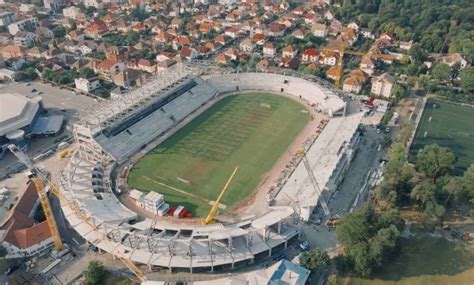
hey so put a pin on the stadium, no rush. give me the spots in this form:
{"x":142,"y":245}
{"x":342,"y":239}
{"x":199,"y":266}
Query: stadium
{"x":177,"y":138}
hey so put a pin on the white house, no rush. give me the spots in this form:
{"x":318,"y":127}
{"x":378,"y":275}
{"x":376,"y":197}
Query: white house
{"x":319,"y":30}
{"x":71,"y":12}
{"x":269,"y":50}
{"x":382,"y":85}
{"x":86,"y":85}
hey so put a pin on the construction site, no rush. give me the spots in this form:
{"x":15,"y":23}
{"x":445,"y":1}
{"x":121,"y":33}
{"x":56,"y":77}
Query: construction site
{"x":149,"y":231}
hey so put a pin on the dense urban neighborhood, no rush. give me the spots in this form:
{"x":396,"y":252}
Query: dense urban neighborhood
{"x":236,"y":142}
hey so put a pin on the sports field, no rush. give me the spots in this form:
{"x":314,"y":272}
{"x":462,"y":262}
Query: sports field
{"x":251,"y":130}
{"x":449,"y":125}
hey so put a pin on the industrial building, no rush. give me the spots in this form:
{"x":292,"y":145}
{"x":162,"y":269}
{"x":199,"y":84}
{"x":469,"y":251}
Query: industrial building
{"x":22,"y":118}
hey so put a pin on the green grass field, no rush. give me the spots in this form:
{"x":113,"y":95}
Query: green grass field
{"x":249,"y":130}
{"x":449,"y":125}
{"x":426,"y":261}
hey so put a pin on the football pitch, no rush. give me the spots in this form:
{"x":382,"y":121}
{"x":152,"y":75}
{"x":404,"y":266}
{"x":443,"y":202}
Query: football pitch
{"x":450,"y":125}
{"x":251,"y":130}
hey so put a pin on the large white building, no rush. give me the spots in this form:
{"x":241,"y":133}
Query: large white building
{"x":28,"y":24}
{"x":382,"y":85}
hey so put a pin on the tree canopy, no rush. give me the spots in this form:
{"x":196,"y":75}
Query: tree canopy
{"x":314,"y":259}
{"x":94,"y":273}
{"x":370,"y":239}
{"x":435,"y":161}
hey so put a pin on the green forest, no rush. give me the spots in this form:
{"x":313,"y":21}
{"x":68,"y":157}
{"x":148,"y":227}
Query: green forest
{"x":440,"y":26}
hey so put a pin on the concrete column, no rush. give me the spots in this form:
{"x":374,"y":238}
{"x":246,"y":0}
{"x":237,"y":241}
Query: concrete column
{"x":270,"y":252}
{"x":279,"y":227}
{"x":286,"y":244}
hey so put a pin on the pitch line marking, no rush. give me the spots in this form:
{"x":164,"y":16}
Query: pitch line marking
{"x":208,"y":202}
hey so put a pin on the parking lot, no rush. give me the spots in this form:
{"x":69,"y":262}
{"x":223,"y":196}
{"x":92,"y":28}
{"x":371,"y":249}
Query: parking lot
{"x":58,"y":102}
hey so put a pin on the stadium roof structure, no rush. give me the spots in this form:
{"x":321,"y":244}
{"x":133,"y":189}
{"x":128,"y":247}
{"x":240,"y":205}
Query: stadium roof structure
{"x":16,"y":112}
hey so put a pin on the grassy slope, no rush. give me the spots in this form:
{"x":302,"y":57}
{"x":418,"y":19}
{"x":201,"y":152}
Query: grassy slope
{"x":426,"y":261}
{"x":206,"y":150}
{"x":451,"y":126}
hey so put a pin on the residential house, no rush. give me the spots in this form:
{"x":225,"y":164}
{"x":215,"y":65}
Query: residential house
{"x":276,"y":30}
{"x":367,"y":65}
{"x":222,"y":59}
{"x":406,"y":45}
{"x":332,"y":72}
{"x":146,"y":65}
{"x":349,"y":36}
{"x":269,"y":50}
{"x":75,"y":35}
{"x":382,"y":85}
{"x":258,"y":39}
{"x":335,"y":28}
{"x":291,"y":62}
{"x":86,"y":47}
{"x":367,"y":33}
{"x":188,"y":53}
{"x":262,"y":65}
{"x":328,"y":15}
{"x":354,"y":26}
{"x":96,"y":29}
{"x":310,"y":56}
{"x":232,"y":53}
{"x":164,"y":64}
{"x":453,"y":59}
{"x":71,"y":12}
{"x":312,"y":17}
{"x":246,"y":45}
{"x":319,"y":30}
{"x":328,"y":57}
{"x":22,"y":234}
{"x":354,"y":82}
{"x":86,"y":85}
{"x":289,"y":51}
{"x":109,"y":68}
{"x":298,"y":33}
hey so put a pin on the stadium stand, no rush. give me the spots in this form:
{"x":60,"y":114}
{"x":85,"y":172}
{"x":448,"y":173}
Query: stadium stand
{"x":324,"y":100}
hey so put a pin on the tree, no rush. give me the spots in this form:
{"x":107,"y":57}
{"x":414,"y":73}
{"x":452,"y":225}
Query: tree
{"x":417,"y":53}
{"x":467,"y":79}
{"x":370,"y":239}
{"x":86,"y":72}
{"x":94,"y":273}
{"x":442,"y":72}
{"x":467,"y":183}
{"x":59,"y":32}
{"x":314,"y":259}
{"x":424,"y":193}
{"x":3,"y":251}
{"x":435,"y":161}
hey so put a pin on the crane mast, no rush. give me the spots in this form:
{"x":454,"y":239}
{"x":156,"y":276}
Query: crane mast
{"x":41,"y":181}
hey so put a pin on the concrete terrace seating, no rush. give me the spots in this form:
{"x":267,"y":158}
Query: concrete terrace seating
{"x":127,"y":142}
{"x":324,"y":99}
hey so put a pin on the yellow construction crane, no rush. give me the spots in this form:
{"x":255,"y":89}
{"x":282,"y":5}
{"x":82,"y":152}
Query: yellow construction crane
{"x":212,"y":213}
{"x":42,"y":180}
{"x":340,"y":61}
